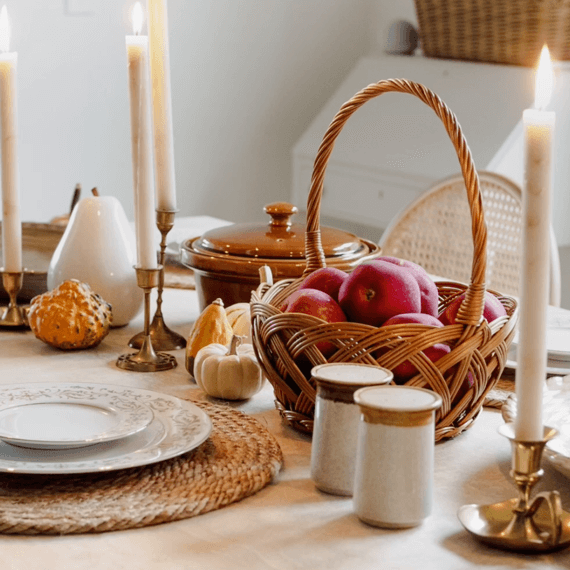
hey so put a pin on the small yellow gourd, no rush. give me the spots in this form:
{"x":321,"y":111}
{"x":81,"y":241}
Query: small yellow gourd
{"x":239,"y":316}
{"x":212,"y":326}
{"x":230,"y":373}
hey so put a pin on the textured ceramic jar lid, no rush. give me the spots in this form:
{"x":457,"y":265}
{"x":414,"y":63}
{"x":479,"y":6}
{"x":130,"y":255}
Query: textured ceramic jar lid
{"x":397,"y":399}
{"x":339,"y":381}
{"x":351,"y":374}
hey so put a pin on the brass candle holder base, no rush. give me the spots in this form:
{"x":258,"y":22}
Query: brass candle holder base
{"x":146,"y":359}
{"x":522,"y":524}
{"x":162,"y":337}
{"x":14,"y":315}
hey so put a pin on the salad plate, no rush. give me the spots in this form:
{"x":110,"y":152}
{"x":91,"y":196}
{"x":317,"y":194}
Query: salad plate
{"x":64,"y":416}
{"x":177,"y":426}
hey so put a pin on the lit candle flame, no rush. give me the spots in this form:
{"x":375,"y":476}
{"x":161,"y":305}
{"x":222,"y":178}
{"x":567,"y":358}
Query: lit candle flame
{"x":4,"y":30}
{"x":138,"y":18}
{"x":544,"y":80}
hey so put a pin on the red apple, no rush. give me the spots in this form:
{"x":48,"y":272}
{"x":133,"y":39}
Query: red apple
{"x":406,"y":369}
{"x":326,"y":279}
{"x":468,"y":383}
{"x":419,"y":318}
{"x":428,"y":288}
{"x":378,"y":290}
{"x":492,"y":310}
{"x":318,"y":304}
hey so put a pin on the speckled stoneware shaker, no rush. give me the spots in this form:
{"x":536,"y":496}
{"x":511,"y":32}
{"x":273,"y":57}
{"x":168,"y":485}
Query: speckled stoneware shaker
{"x":393,"y":483}
{"x":335,"y":431}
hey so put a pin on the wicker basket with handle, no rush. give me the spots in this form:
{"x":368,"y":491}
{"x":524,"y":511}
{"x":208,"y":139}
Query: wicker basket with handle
{"x":285,"y":343}
{"x":494,"y":31}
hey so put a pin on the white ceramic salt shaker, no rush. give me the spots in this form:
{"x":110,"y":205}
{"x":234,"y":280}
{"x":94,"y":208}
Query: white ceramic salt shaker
{"x":335,"y":431}
{"x":393,"y":483}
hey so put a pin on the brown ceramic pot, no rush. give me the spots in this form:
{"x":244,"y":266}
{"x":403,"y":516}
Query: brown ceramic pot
{"x":226,"y":260}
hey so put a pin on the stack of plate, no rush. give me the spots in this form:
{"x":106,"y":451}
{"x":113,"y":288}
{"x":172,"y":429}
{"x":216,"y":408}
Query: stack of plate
{"x":557,"y":345}
{"x":82,"y":428}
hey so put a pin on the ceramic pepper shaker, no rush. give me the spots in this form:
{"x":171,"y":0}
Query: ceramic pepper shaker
{"x":393,"y":483}
{"x":335,"y":430}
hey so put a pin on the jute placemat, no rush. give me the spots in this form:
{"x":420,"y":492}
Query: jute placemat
{"x":238,"y":459}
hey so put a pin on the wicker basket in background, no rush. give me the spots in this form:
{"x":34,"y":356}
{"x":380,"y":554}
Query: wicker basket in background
{"x":494,"y":31}
{"x":285,"y":343}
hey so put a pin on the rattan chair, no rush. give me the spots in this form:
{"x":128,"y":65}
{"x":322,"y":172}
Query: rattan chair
{"x":435,"y":232}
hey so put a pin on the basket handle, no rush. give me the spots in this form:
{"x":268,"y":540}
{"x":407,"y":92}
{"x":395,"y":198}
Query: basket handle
{"x":472,"y":307}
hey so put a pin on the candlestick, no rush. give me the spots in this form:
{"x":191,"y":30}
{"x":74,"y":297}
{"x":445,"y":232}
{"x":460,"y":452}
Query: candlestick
{"x":11,"y":224}
{"x":13,"y":316}
{"x":146,"y":359}
{"x":522,"y":524}
{"x":137,"y":55}
{"x":532,"y":351}
{"x":162,"y":337}
{"x":162,"y":106}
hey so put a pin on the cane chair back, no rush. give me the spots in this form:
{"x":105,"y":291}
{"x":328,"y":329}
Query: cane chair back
{"x":435,"y":232}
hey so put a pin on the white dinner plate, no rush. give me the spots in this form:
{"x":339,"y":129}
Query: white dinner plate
{"x":553,"y":368}
{"x":557,"y":340}
{"x":64,"y":416}
{"x":556,"y":413}
{"x":177,"y":427}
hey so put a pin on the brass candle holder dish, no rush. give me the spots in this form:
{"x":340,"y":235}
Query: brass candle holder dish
{"x":522,"y":524}
{"x":162,"y":337}
{"x":146,"y":359}
{"x":14,"y":315}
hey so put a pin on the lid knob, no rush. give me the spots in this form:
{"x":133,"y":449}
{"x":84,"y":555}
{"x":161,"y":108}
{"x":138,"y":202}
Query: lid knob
{"x":280,"y":213}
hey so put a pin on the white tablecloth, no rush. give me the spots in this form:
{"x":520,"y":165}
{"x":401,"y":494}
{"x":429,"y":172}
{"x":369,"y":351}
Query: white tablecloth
{"x":289,"y":524}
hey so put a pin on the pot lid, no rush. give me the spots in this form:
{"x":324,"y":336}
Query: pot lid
{"x":278,"y":239}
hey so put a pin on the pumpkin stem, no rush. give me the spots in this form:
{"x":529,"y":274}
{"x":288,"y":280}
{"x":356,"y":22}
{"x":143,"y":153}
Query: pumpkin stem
{"x":236,"y":341}
{"x":218,"y":302}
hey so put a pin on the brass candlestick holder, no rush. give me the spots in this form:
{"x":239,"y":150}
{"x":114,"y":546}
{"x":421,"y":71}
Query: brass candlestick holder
{"x":146,"y":359}
{"x":14,"y":316}
{"x":522,"y":524}
{"x":162,"y":337}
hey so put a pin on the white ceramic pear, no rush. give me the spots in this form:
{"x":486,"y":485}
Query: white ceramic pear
{"x":98,"y":248}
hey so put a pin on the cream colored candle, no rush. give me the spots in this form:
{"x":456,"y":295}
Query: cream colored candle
{"x":531,"y":352}
{"x":162,"y":106}
{"x":11,"y":224}
{"x":137,"y":55}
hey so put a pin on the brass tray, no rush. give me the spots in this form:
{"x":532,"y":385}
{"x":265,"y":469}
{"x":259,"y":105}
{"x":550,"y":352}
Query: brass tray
{"x":38,"y":245}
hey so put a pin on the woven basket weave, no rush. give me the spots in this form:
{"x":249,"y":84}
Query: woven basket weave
{"x":494,"y":31}
{"x":285,"y":343}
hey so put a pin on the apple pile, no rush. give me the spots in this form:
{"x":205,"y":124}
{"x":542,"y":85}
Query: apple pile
{"x":382,"y":292}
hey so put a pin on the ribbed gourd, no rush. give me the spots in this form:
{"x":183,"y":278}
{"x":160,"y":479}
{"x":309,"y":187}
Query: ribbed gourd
{"x":212,"y":326}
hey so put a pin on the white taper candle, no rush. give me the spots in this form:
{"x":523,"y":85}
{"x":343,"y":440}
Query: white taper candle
{"x":162,"y":106}
{"x":11,"y":223}
{"x":141,"y":144}
{"x":531,"y":351}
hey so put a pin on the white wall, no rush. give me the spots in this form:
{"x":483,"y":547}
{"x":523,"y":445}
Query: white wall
{"x":247,"y":78}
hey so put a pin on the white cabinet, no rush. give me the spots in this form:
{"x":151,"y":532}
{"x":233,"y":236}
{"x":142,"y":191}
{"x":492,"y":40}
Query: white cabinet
{"x":395,"y":147}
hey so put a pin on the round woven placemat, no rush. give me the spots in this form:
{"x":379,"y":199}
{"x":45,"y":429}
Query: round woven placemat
{"x":238,"y":459}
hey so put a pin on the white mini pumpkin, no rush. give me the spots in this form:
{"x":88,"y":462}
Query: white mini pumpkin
{"x":230,"y":373}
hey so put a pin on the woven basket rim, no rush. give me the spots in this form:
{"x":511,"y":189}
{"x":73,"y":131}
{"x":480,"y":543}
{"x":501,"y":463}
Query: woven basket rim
{"x":286,"y":342}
